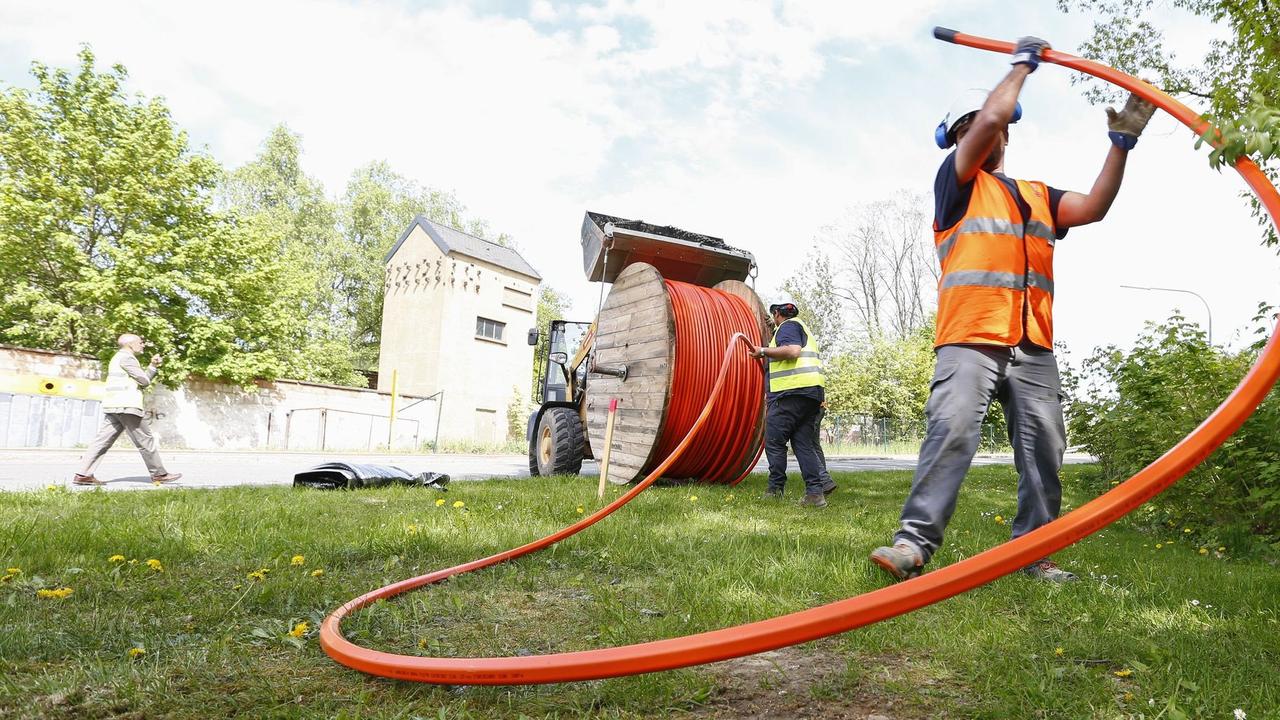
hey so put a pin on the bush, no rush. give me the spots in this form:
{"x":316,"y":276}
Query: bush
{"x":1129,"y":408}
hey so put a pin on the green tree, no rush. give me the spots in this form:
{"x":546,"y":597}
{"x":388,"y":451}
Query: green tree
{"x":1128,"y":408}
{"x":107,"y":226}
{"x":1238,"y":77}
{"x":285,"y":207}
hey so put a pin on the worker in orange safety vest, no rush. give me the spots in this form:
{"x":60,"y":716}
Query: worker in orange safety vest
{"x":995,"y":238}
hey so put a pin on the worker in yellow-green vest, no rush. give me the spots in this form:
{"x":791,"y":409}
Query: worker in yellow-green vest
{"x":795,"y":397}
{"x":122,"y":413}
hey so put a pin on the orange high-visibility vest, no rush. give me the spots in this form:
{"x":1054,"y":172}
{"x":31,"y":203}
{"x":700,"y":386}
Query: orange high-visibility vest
{"x":996,"y":285}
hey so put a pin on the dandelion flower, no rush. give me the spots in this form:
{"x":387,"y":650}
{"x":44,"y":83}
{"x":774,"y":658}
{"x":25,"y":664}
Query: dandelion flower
{"x":317,"y":572}
{"x":1222,"y":548}
{"x":115,"y":559}
{"x":1159,"y":545}
{"x":693,"y":498}
{"x":259,"y":574}
{"x":1126,"y":672}
{"x":154,"y":564}
{"x":297,"y":560}
{"x":136,"y":652}
{"x":299,"y":630}
{"x":581,"y":510}
{"x":440,"y":502}
{"x":1186,"y":530}
{"x":50,"y":487}
{"x":5,"y":578}
{"x":14,"y":570}
{"x":459,"y":503}
{"x":1058,"y":651}
{"x":55,"y":594}
{"x":1204,"y":551}
{"x":1128,"y":697}
{"x":411,"y":529}
{"x":999,"y":520}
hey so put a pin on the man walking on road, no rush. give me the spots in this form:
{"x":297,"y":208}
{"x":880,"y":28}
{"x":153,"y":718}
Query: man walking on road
{"x":122,"y":413}
{"x":995,"y":238}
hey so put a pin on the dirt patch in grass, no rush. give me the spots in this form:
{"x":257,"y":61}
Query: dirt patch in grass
{"x":807,"y":682}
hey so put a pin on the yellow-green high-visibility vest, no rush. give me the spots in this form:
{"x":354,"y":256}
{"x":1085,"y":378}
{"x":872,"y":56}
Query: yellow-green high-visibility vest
{"x":805,"y":371}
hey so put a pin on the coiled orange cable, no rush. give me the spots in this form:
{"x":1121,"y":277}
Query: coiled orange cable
{"x":728,"y":447}
{"x":867,"y":608}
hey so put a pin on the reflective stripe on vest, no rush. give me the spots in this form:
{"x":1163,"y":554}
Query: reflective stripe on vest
{"x":805,"y":371}
{"x":996,"y":285}
{"x":122,"y":390}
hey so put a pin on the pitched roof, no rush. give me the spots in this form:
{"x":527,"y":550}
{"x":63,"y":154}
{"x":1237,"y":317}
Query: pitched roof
{"x":453,"y":240}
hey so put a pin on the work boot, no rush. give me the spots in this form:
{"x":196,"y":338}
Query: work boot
{"x":828,"y":489}
{"x":165,"y":478}
{"x":1049,"y":571}
{"x":771,"y":494}
{"x":901,"y":561}
{"x":814,"y":500}
{"x":86,"y":480}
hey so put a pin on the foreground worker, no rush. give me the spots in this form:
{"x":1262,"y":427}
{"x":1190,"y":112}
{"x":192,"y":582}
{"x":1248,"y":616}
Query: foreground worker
{"x":795,"y":396}
{"x":995,"y":239}
{"x":122,"y":413}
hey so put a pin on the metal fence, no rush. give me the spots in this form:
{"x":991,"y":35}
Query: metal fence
{"x":47,"y":421}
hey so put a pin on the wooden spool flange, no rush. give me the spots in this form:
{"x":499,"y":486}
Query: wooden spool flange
{"x":636,"y":328}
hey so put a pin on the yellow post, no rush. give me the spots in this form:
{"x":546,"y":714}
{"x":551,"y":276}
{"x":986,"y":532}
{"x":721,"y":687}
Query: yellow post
{"x":608,"y":445}
{"x":391,"y":426}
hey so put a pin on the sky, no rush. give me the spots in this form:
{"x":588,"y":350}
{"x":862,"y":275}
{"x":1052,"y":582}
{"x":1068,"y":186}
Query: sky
{"x":756,"y":122}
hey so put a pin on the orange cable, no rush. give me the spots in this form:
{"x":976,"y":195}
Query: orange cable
{"x":864,"y":609}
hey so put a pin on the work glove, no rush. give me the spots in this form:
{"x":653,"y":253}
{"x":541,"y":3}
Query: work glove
{"x":1125,"y":126}
{"x":1028,"y":52}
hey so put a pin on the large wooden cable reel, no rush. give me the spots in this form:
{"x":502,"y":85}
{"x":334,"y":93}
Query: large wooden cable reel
{"x":636,"y":330}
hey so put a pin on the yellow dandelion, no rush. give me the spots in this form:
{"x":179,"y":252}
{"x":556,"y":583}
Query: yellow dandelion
{"x":1058,"y":652}
{"x":581,"y":510}
{"x":317,"y":572}
{"x":136,"y":652}
{"x":297,"y":560}
{"x":1159,"y":545}
{"x":411,"y":529}
{"x":154,"y":564}
{"x":1126,"y":672}
{"x":50,"y":487}
{"x":1204,"y":551}
{"x":440,"y":502}
{"x":299,"y":630}
{"x":115,"y":559}
{"x":55,"y":594}
{"x":728,"y":497}
{"x":1186,"y":530}
{"x":459,"y":503}
{"x":693,"y":498}
{"x":1222,"y":548}
{"x":14,"y":570}
{"x":1128,"y":697}
{"x":999,"y":520}
{"x":259,"y":574}
{"x":5,"y":578}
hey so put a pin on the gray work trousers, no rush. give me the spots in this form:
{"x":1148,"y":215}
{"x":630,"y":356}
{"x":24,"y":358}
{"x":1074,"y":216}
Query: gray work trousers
{"x":113,"y":425}
{"x":966,"y":379}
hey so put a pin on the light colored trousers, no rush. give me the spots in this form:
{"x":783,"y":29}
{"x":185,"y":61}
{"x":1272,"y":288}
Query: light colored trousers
{"x":965,"y":380}
{"x":113,"y":425}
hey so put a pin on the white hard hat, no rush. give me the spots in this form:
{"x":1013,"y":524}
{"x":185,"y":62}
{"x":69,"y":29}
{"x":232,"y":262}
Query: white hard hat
{"x":969,"y":102}
{"x":779,"y":306}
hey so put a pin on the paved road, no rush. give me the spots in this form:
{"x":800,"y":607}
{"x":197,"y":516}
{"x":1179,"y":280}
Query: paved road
{"x":123,"y":469}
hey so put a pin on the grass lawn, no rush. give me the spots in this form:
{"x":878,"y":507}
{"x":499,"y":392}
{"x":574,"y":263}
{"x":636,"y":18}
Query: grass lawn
{"x":1148,"y":632}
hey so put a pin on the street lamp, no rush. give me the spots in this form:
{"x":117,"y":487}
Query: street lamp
{"x":1188,"y":292}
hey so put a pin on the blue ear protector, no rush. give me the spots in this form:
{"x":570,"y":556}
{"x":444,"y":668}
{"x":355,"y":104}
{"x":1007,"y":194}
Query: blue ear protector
{"x":940,"y":132}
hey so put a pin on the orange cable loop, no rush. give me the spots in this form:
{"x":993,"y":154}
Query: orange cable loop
{"x":869,"y":607}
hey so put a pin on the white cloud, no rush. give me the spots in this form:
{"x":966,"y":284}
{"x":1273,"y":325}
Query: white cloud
{"x":754,"y":121}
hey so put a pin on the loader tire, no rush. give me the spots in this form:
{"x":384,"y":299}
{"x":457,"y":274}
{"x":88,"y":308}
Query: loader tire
{"x":558,"y":444}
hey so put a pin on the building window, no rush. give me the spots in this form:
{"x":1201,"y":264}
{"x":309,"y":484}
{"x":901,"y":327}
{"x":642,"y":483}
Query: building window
{"x":489,"y":329}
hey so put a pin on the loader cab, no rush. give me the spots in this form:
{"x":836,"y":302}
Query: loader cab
{"x":564,"y":367}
